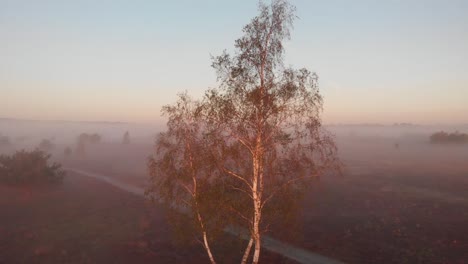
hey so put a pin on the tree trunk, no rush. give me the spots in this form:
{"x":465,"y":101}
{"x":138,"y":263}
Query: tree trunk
{"x":257,"y":185}
{"x":247,"y":251}
{"x":257,"y":200}
{"x":207,"y":248}
{"x":205,"y":238}
{"x":200,"y":219}
{"x":256,"y":256}
{"x":256,"y":233}
{"x":202,"y":226}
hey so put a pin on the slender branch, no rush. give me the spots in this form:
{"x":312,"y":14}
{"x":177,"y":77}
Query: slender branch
{"x":243,"y":142}
{"x":248,"y":220}
{"x":185,"y":187}
{"x":186,"y":203}
{"x":235,"y":175}
{"x":241,"y":190}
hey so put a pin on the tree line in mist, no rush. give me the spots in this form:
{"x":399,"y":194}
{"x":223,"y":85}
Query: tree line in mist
{"x":444,"y":137}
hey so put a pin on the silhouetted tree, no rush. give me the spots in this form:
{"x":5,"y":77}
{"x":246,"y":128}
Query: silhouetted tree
{"x":444,"y":137}
{"x":46,"y":145}
{"x":94,"y":138}
{"x":126,"y":138}
{"x":67,"y":152}
{"x":29,"y":167}
{"x":89,"y":138}
{"x":254,"y":144}
{"x":85,"y":139}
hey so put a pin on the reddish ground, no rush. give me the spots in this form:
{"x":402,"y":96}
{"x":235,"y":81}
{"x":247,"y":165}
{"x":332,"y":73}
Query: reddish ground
{"x":405,"y":205}
{"x":365,"y":221}
{"x":86,"y":221}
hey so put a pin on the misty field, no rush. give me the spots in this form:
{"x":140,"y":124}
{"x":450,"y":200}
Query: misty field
{"x":400,"y":200}
{"x":83,"y":221}
{"x":392,"y":205}
{"x":87,"y":221}
{"x":277,"y":131}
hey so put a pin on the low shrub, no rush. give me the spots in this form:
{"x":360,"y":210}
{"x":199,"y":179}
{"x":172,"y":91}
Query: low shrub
{"x":29,"y":167}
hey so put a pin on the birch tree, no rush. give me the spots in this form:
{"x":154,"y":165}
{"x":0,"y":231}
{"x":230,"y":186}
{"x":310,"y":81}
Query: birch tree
{"x":257,"y":138}
{"x":180,"y":170}
{"x":270,"y":115}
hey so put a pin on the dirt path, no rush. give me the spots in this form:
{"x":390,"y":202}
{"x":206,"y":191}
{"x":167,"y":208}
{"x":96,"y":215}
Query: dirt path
{"x":287,"y":250}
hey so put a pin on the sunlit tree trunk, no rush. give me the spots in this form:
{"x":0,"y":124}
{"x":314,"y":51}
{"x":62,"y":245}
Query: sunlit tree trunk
{"x":256,"y":234}
{"x":194,"y":195}
{"x":205,"y":240}
{"x":247,"y":251}
{"x":257,"y":189}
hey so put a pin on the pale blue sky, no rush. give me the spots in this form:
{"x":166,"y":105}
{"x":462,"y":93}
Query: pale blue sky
{"x":378,"y":61}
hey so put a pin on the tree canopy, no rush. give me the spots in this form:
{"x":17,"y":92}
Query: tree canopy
{"x":247,"y":151}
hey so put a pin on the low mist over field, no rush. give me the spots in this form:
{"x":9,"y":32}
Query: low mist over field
{"x":390,"y":173}
{"x":270,"y":131}
{"x":29,"y":133}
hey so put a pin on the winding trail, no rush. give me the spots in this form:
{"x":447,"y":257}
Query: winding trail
{"x":285,"y":249}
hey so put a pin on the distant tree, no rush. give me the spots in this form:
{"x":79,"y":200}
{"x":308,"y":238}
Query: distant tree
{"x":4,"y":141}
{"x":246,"y":154}
{"x":126,"y":138}
{"x":444,"y":137}
{"x":67,"y":152}
{"x":438,"y":137}
{"x":85,"y":139}
{"x":89,"y":138}
{"x":29,"y":167}
{"x":94,"y":138}
{"x":46,"y":145}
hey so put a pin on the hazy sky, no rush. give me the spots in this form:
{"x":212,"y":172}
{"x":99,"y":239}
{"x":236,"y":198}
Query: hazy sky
{"x":378,"y":61}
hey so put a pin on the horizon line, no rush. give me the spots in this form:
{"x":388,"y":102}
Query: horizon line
{"x":331,"y":124}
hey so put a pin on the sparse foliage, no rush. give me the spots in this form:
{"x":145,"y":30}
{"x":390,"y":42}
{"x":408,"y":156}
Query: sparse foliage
{"x":181,"y":171}
{"x":29,"y":167}
{"x":249,"y":149}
